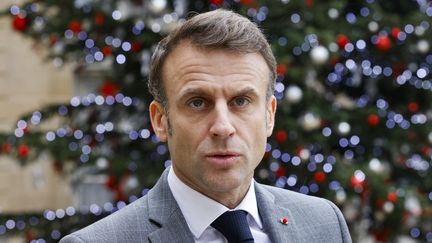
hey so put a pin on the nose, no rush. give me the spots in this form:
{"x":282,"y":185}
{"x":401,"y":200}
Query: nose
{"x":222,"y":126}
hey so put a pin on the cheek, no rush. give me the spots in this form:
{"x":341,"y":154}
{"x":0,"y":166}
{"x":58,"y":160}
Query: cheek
{"x":186,"y":135}
{"x":260,"y":145}
{"x":255,"y":134}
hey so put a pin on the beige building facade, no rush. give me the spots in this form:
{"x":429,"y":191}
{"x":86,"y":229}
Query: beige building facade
{"x":28,"y":82}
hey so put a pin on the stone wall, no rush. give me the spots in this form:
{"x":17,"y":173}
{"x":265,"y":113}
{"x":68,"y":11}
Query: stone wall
{"x":28,"y":82}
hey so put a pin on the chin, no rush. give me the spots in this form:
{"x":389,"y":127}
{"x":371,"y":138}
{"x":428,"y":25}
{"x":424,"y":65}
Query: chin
{"x":226,"y":183}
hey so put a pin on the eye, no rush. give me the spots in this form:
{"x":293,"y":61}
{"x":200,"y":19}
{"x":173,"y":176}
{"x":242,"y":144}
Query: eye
{"x":240,"y":101}
{"x":196,"y":103}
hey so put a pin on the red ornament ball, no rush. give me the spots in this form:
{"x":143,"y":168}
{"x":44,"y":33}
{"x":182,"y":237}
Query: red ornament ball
{"x":281,"y":136}
{"x":398,"y":68}
{"x":52,"y":40}
{"x":309,"y":3}
{"x":119,"y":195}
{"x":379,"y":203}
{"x":19,"y":23}
{"x":395,"y":32}
{"x":107,"y":50}
{"x":111,"y":182}
{"x":99,"y":19}
{"x":392,"y":197}
{"x":216,"y":2}
{"x":284,"y":221}
{"x":342,"y":40}
{"x":246,"y":2}
{"x":23,"y":150}
{"x":281,"y":69}
{"x":280,"y":172}
{"x":383,"y":43}
{"x":320,"y":177}
{"x":355,"y":182}
{"x":373,"y":120}
{"x":413,"y":107}
{"x":136,"y":47}
{"x":426,"y":151}
{"x":6,"y":148}
{"x":382,"y":235}
{"x":29,"y":235}
{"x":75,"y":26}
{"x":109,"y":89}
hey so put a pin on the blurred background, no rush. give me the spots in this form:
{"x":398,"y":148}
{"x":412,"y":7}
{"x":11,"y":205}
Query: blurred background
{"x":353,"y":122}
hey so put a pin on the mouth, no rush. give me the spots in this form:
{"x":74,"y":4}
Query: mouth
{"x":222,"y":159}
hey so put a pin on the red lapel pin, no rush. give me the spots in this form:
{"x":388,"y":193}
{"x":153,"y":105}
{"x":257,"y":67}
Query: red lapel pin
{"x":284,"y":221}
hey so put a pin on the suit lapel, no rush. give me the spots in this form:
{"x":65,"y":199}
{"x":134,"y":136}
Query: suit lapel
{"x":165,"y":212}
{"x":271,"y":214}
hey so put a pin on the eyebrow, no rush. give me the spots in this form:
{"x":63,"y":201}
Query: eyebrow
{"x":204,"y":92}
{"x":247,"y":91}
{"x":191,"y":91}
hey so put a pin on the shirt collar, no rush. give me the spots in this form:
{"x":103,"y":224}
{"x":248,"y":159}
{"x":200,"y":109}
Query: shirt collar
{"x":204,"y":210}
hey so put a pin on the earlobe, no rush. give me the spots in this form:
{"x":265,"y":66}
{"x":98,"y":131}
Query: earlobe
{"x":158,"y":120}
{"x":271,"y":111}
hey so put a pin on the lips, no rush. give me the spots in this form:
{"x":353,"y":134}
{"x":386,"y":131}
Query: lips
{"x":222,"y":159}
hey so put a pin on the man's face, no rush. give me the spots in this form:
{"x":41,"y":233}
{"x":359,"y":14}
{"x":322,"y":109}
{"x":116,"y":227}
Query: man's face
{"x":218,"y":118}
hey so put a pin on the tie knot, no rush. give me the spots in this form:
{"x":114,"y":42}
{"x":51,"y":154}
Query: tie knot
{"x":234,"y":226}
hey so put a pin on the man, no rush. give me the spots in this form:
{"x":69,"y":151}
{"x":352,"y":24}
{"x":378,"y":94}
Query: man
{"x":212,"y":80}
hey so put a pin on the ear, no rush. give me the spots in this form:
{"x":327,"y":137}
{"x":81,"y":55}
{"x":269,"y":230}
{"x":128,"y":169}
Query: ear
{"x":270,"y":116}
{"x":158,"y":120}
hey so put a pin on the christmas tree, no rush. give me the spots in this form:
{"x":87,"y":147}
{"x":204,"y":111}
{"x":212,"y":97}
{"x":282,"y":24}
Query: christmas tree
{"x":353,"y":121}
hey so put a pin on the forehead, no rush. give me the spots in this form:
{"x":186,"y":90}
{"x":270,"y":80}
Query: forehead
{"x":187,"y":62}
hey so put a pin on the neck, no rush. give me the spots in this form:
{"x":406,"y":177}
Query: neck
{"x":230,"y":197}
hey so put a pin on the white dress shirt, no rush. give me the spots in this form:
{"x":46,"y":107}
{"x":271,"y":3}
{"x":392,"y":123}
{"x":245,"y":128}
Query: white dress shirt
{"x":200,"y":211}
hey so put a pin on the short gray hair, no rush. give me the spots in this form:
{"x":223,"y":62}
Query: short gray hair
{"x":218,"y":29}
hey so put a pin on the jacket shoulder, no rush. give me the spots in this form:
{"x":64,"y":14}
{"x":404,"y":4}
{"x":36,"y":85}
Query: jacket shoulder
{"x":288,"y":197}
{"x":310,"y":213}
{"x":129,"y":224}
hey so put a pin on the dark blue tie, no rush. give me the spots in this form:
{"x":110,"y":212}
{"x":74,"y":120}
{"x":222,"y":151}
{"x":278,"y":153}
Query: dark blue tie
{"x":234,"y":226}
